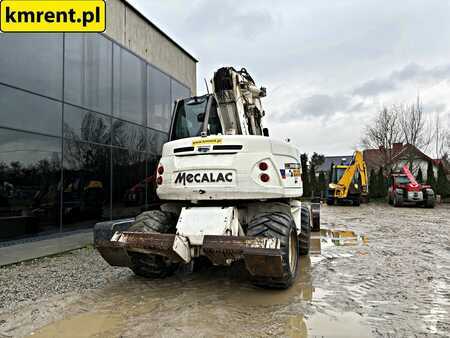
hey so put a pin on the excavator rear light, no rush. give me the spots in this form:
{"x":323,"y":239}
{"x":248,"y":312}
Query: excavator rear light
{"x":265,"y":178}
{"x":263,"y":166}
{"x":160,"y":170}
{"x":159,"y":180}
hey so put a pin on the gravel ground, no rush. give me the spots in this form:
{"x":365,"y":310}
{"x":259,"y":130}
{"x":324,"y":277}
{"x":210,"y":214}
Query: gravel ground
{"x":76,"y":272}
{"x":397,"y":285}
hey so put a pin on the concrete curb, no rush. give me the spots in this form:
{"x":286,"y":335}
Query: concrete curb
{"x":47,"y":247}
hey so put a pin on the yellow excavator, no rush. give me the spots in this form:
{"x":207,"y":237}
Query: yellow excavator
{"x":348,"y":182}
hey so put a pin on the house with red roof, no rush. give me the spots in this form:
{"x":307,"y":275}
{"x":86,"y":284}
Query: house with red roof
{"x":399,"y":155}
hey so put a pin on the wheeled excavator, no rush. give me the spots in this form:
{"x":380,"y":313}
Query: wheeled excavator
{"x":229,"y":192}
{"x":349,"y":182}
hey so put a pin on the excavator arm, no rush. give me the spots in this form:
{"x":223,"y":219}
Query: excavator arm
{"x":239,"y":101}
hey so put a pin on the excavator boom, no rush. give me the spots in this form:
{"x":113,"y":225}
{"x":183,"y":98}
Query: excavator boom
{"x":410,"y":176}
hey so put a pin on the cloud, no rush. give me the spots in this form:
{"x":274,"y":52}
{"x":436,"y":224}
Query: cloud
{"x":317,"y":105}
{"x":434,"y":107}
{"x":362,"y":98}
{"x":327,"y":65}
{"x":410,"y":73}
{"x":229,"y":20}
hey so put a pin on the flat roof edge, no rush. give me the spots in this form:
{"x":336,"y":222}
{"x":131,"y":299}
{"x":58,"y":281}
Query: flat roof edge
{"x":142,"y":16}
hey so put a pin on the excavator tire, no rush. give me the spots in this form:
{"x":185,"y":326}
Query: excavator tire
{"x":398,"y":200}
{"x":147,"y":265}
{"x":430,"y":204}
{"x":278,"y":225}
{"x":304,"y":239}
{"x":430,"y":201}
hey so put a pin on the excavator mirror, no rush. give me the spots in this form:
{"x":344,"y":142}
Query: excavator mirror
{"x":266,"y":132}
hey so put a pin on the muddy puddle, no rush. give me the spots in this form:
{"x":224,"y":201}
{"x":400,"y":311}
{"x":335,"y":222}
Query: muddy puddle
{"x":217,"y":302}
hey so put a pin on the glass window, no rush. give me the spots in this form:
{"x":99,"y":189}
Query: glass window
{"x":88,"y":71}
{"x":190,"y":118}
{"x":401,"y":180}
{"x":22,"y":110}
{"x":179,"y":91}
{"x":214,"y":125}
{"x":87,"y":177}
{"x":29,"y":184}
{"x":129,"y":183}
{"x":156,"y":141}
{"x":128,"y":135}
{"x":84,"y":125}
{"x":159,"y":100}
{"x":32,"y":61}
{"x":130,"y":86}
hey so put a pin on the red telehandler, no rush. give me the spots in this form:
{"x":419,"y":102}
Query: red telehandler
{"x":404,"y":189}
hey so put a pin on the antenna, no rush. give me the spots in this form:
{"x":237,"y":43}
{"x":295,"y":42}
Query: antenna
{"x":206,"y":84}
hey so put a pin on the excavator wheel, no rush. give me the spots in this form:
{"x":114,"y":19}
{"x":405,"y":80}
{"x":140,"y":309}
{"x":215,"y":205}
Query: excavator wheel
{"x":398,"y":200}
{"x":430,"y":204}
{"x":304,"y":239}
{"x":430,"y":201}
{"x":147,"y":265}
{"x":278,"y":225}
{"x":390,"y":201}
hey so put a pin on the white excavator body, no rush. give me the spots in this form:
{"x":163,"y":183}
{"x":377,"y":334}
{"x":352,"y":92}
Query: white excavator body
{"x":229,"y":192}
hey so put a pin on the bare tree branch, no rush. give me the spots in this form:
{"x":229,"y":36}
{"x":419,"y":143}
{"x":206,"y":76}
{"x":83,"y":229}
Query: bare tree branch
{"x":441,"y":137}
{"x":382,"y":133}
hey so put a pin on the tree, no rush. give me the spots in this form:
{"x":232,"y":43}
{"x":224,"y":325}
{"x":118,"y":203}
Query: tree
{"x":322,"y":184}
{"x":317,"y":160}
{"x":414,"y":127}
{"x":443,"y":187}
{"x":441,"y":138}
{"x":330,"y":173}
{"x":373,"y":189}
{"x":419,"y":177}
{"x":381,"y":183}
{"x":313,"y":179}
{"x":431,"y":180}
{"x":382,"y":133}
{"x":305,"y":175}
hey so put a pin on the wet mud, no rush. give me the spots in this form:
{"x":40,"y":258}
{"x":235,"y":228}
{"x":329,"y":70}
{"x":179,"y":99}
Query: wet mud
{"x":380,"y":272}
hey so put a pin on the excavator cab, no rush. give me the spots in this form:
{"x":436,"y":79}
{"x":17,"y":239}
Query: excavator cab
{"x":196,"y":116}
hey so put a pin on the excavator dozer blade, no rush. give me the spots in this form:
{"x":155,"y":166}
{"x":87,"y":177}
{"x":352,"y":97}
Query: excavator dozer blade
{"x":262,"y":256}
{"x":115,"y":255}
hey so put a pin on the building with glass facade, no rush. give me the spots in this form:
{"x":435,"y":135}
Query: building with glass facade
{"x":82,"y":121}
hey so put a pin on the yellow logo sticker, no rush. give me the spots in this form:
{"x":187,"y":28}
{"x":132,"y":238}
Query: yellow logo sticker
{"x":52,"y":16}
{"x":205,"y":141}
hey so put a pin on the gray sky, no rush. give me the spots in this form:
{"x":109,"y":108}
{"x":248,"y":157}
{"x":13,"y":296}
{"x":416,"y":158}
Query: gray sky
{"x":328,"y":65}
